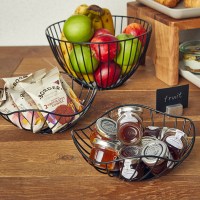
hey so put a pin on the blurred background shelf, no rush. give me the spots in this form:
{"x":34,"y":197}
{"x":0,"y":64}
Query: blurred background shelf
{"x":164,"y":45}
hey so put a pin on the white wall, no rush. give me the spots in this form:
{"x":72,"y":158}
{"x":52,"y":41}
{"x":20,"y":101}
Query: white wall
{"x":23,"y":22}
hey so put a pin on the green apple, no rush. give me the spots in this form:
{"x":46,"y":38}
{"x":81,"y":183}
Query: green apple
{"x":78,"y":28}
{"x":82,"y":61}
{"x":130,"y":50}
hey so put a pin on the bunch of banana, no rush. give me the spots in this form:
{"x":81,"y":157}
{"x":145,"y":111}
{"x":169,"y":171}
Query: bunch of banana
{"x":104,"y":15}
{"x":101,"y":17}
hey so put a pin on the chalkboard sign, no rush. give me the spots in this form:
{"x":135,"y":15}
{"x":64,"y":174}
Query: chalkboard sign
{"x":171,"y":96}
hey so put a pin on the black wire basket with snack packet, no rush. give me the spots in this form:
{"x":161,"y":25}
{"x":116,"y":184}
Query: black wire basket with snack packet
{"x":44,"y":101}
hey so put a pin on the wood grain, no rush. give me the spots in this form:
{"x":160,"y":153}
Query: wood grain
{"x":167,"y":45}
{"x":36,"y":166}
{"x":104,"y":188}
{"x":30,"y":168}
{"x":61,"y":158}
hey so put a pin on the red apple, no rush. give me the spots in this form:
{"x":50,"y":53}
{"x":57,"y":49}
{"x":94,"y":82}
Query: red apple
{"x":105,"y":47}
{"x":107,"y":74}
{"x":101,"y":31}
{"x":136,"y":29}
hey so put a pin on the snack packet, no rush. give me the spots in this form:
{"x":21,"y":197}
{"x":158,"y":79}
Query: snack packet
{"x":50,"y":96}
{"x":68,"y":90}
{"x":25,"y":102}
{"x":8,"y":106}
{"x":71,"y":94}
{"x":13,"y":82}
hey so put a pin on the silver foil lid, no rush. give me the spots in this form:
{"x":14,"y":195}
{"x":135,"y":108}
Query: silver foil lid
{"x":106,"y":144}
{"x":135,"y":109}
{"x":175,"y":131}
{"x":129,"y":152}
{"x":107,"y":127}
{"x":154,"y":148}
{"x":147,"y":139}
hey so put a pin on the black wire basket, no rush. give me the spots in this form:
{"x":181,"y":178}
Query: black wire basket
{"x":86,"y":97}
{"x":108,"y":74}
{"x":151,"y":117}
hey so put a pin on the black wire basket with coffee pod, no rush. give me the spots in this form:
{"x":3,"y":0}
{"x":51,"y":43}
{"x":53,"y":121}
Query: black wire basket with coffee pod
{"x":102,"y":64}
{"x":148,"y":146}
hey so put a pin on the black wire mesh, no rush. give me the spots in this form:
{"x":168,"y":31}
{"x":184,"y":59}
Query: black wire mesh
{"x":86,"y":97}
{"x":151,"y":117}
{"x":85,"y":74}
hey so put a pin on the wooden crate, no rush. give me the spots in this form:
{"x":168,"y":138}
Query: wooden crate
{"x":164,"y":44}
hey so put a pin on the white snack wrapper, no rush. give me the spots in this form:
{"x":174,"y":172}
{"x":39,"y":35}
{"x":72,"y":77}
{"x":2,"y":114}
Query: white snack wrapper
{"x":50,"y":96}
{"x":8,"y":106}
{"x":25,"y":102}
{"x":13,"y":82}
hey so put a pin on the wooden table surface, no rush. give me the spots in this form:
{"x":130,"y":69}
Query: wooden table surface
{"x":35,"y":166}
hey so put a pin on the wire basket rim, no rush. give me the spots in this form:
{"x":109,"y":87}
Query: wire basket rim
{"x":75,"y":133}
{"x":93,"y":94}
{"x":143,"y":106}
{"x":107,"y":42}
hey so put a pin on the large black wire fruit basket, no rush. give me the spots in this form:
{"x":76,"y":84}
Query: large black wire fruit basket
{"x":123,"y":167}
{"x":61,"y":120}
{"x":109,"y":73}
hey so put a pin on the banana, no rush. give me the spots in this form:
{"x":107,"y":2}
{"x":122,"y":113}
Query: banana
{"x":95,"y":10}
{"x":104,"y":15}
{"x":82,"y":10}
{"x":89,"y":78}
{"x":97,"y":22}
{"x":66,"y":48}
{"x":107,"y":21}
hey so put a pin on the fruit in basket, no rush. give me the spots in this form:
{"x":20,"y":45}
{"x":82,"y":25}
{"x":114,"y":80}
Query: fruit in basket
{"x":108,"y":21}
{"x":104,"y":15}
{"x":82,"y":60}
{"x":96,"y":21}
{"x":105,"y":47}
{"x":78,"y":28}
{"x":101,"y":31}
{"x":130,"y":50}
{"x":126,"y":69}
{"x":100,"y":17}
{"x":66,"y":48}
{"x":88,"y":78}
{"x":107,"y":74}
{"x":82,"y":10}
{"x":136,"y":29}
